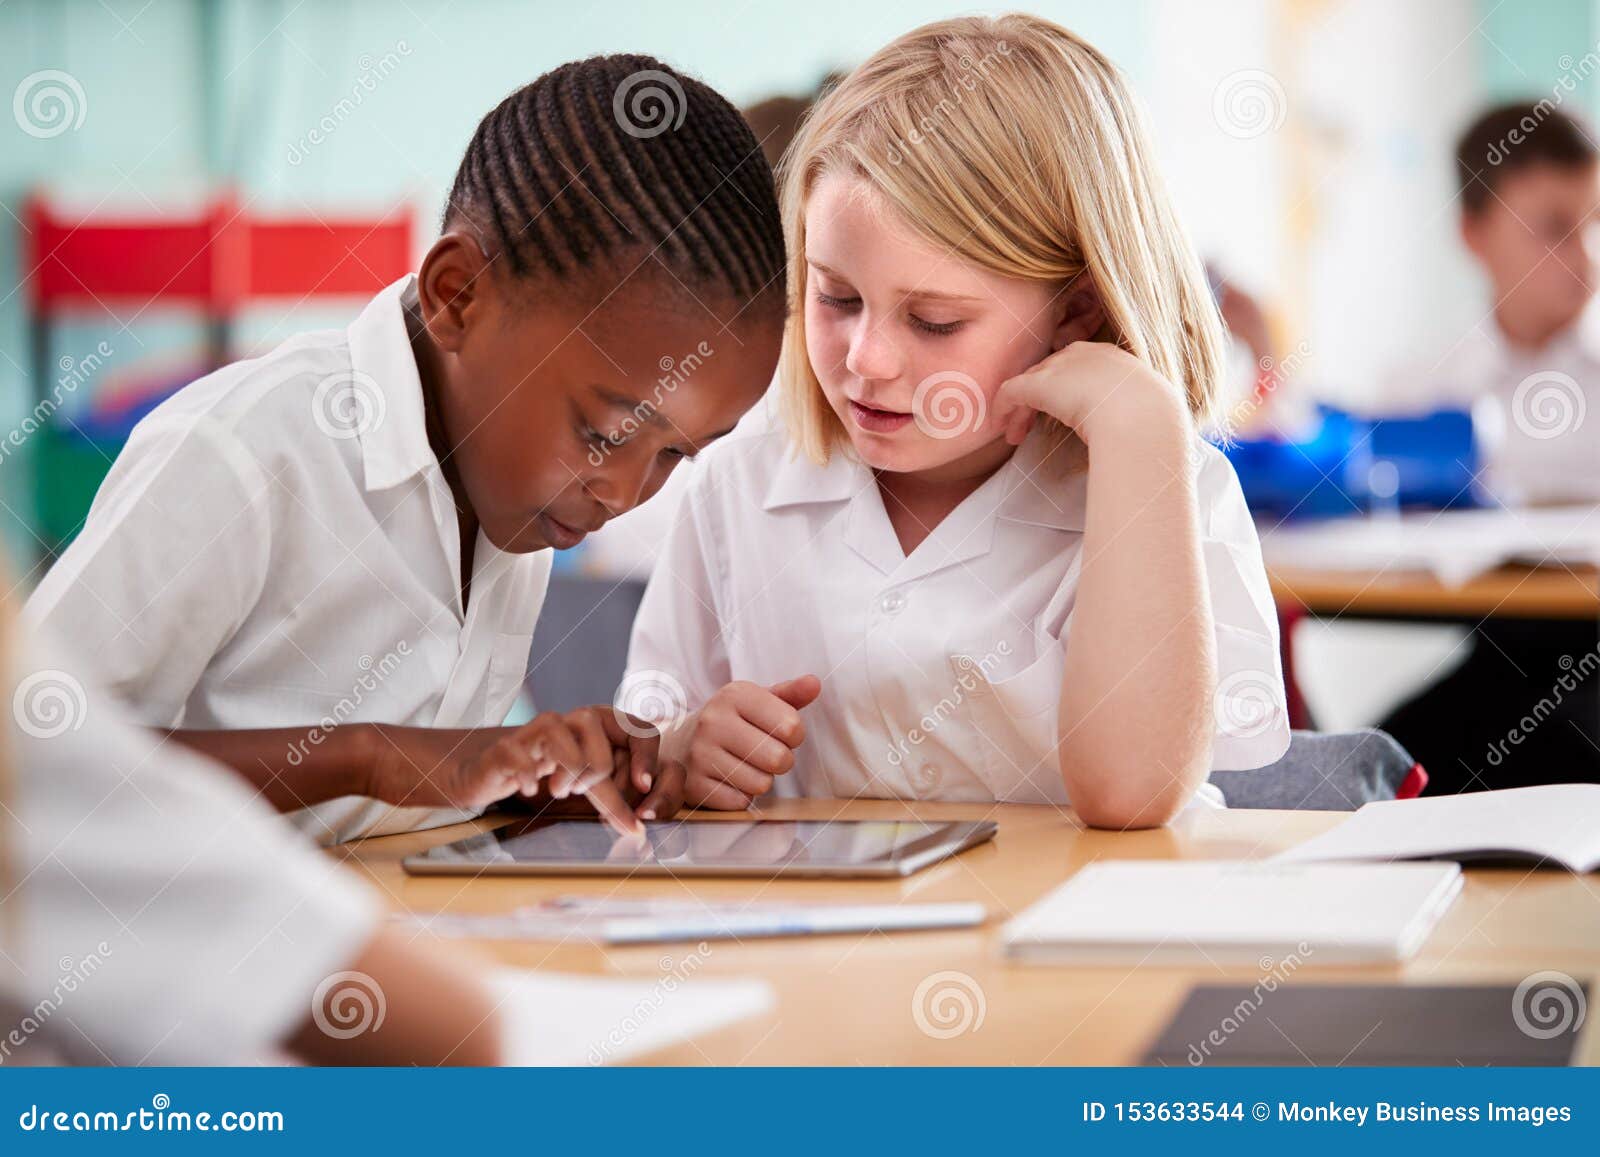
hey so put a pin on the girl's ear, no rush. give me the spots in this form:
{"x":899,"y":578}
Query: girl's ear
{"x":450,"y":288}
{"x":1082,"y":315}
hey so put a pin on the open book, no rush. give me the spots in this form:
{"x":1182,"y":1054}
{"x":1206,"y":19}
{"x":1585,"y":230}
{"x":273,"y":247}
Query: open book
{"x":1559,"y":823}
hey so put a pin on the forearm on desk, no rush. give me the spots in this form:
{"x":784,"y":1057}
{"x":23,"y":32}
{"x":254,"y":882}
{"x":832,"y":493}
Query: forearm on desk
{"x":286,"y":766}
{"x":1140,"y":665}
{"x":295,"y":767}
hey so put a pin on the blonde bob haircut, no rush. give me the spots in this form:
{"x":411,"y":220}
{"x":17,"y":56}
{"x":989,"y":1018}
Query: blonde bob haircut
{"x":1015,"y":145}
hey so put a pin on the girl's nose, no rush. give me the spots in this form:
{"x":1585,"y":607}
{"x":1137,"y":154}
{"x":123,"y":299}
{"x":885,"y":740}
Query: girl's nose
{"x":872,"y":355}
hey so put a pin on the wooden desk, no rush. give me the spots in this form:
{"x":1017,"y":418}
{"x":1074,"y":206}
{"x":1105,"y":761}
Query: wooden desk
{"x":846,"y":1000}
{"x":1550,"y":592}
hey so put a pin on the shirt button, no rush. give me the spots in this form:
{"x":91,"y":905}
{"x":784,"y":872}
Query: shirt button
{"x":928,"y":777}
{"x":893,"y":602}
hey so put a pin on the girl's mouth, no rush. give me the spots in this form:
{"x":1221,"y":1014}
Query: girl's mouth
{"x":875,"y":421}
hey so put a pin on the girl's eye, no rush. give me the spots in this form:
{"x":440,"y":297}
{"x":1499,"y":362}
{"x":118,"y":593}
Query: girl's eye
{"x":941,"y":328}
{"x":596,"y":438}
{"x":938,"y":329}
{"x":677,"y":455}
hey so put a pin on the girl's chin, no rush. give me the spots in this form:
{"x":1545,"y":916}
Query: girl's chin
{"x":902,"y":453}
{"x":913,"y":452}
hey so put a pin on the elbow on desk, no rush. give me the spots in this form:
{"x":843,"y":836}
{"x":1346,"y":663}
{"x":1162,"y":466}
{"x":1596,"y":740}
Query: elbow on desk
{"x":1128,"y":815}
{"x":1123,"y":796}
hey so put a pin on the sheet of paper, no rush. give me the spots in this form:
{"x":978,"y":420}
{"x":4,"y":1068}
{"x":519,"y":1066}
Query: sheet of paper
{"x":1560,"y":821}
{"x":559,"y":1019}
{"x":1454,"y":545}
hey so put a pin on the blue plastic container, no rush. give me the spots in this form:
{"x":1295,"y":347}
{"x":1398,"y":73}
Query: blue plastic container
{"x":1352,"y":465}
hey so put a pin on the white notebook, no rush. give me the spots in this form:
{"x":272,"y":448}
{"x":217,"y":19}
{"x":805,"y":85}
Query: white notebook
{"x":1234,"y":912}
{"x":1557,"y":822}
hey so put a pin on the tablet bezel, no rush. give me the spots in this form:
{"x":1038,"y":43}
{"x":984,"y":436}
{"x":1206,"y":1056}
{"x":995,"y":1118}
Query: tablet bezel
{"x":948,"y":838}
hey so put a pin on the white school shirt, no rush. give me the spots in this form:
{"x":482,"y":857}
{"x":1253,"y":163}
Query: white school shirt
{"x":942,"y":671}
{"x":276,"y":546}
{"x":160,"y":913}
{"x":1536,"y":413}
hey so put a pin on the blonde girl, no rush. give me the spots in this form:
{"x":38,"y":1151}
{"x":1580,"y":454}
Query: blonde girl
{"x":983,"y":549}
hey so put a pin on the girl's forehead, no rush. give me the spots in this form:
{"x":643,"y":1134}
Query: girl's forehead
{"x":853,"y":231}
{"x":850,"y":223}
{"x":847,"y":199}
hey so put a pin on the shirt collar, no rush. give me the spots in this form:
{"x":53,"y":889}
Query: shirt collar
{"x":1581,"y":339}
{"x":1585,"y":332}
{"x":798,"y":481}
{"x":394,"y":442}
{"x":1047,"y":483}
{"x":1035,"y":486}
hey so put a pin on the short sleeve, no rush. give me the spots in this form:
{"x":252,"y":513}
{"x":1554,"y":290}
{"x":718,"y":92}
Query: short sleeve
{"x":163,"y":915}
{"x":170,"y":561}
{"x":1251,"y":709}
{"x":677,"y":652}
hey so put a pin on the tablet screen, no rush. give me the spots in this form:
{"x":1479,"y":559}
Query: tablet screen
{"x":690,"y":844}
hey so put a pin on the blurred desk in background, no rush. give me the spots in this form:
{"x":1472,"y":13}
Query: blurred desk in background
{"x":1520,"y":592}
{"x":1521,"y":570}
{"x":1454,"y":565}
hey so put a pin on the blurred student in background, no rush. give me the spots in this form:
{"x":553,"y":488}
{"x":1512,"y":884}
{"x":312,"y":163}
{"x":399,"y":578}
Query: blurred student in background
{"x":1529,"y":370}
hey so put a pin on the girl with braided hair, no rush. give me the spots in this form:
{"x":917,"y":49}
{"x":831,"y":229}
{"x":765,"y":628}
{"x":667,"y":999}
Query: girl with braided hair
{"x":323,"y":566}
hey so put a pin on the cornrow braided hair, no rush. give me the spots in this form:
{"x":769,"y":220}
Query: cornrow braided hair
{"x":604,"y":164}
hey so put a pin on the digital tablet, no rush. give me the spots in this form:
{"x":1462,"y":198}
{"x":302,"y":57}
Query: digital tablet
{"x":542,"y":847}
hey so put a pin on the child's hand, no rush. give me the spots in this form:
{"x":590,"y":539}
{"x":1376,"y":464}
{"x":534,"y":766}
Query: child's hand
{"x":743,"y":739}
{"x":565,"y":755}
{"x":1089,"y":386}
{"x":654,"y":793}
